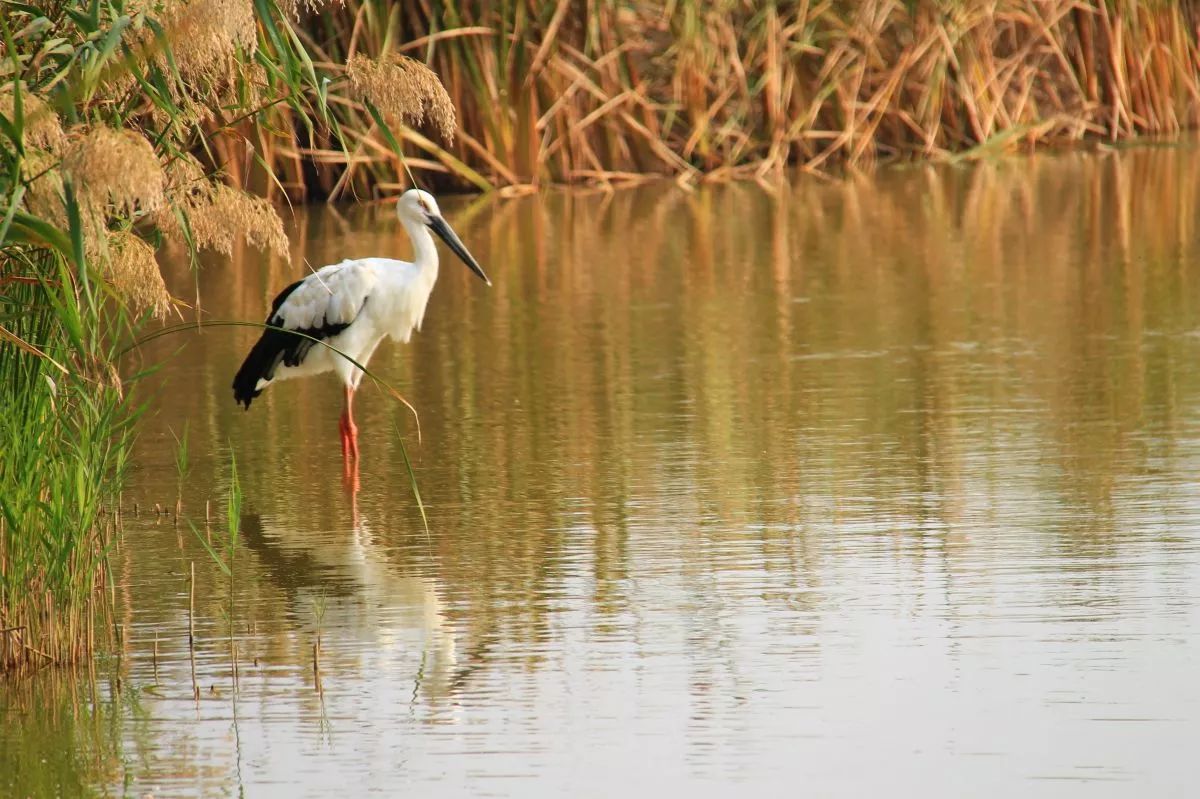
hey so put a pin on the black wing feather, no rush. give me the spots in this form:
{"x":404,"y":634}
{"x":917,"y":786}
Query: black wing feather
{"x":276,"y":346}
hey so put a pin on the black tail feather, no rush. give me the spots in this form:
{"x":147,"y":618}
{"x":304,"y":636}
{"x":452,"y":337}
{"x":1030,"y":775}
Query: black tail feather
{"x":273,"y":348}
{"x":276,"y":346}
{"x":265,"y":355}
{"x":260,"y":364}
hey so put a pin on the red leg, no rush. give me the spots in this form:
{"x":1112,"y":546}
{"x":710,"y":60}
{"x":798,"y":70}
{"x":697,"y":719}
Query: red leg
{"x":348,"y":428}
{"x":349,"y":435}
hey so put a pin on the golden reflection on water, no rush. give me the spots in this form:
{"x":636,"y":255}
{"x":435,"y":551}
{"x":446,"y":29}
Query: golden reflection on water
{"x":722,"y":485}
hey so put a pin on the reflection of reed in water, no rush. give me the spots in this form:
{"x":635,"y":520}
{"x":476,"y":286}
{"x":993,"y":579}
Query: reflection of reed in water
{"x":55,"y":737}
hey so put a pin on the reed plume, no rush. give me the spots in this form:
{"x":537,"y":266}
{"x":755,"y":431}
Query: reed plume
{"x":227,"y":215}
{"x":132,"y":271}
{"x":208,"y":36}
{"x":114,"y":171}
{"x":297,"y":9}
{"x":44,"y":196}
{"x":218,"y":216}
{"x":405,"y":89}
{"x":42,"y":128}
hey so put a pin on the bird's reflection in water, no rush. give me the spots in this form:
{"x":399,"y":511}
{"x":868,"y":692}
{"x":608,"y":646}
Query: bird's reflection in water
{"x":350,"y":483}
{"x":358,"y":587}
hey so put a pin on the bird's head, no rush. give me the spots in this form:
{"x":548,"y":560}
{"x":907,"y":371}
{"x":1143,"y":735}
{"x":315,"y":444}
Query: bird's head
{"x":418,"y":207}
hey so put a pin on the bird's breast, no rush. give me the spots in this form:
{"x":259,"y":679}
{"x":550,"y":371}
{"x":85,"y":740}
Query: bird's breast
{"x":400,"y":314}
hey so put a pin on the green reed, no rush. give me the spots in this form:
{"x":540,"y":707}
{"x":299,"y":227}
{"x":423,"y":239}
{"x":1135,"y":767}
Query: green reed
{"x":64,"y":442}
{"x":224,"y":555}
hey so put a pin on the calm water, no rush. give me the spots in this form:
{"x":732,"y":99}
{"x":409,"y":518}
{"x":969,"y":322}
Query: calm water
{"x":879,"y":487}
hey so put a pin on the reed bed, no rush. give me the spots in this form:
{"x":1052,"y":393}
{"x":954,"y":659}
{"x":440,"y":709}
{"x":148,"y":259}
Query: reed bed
{"x":78,"y":175}
{"x":99,"y":112}
{"x":611,"y":92}
{"x":64,"y":438}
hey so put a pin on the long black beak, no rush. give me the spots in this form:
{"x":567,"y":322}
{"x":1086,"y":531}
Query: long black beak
{"x":439,"y":226}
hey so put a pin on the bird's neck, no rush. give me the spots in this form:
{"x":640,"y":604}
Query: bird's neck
{"x":425,"y":256}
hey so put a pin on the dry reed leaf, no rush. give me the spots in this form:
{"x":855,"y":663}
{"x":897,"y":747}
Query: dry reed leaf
{"x":114,"y":170}
{"x":131,"y":270}
{"x":403,"y":88}
{"x":298,"y":8}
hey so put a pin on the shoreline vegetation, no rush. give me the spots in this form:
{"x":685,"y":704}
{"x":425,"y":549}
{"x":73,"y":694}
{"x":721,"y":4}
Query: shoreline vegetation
{"x":556,"y":92}
{"x":128,"y":124}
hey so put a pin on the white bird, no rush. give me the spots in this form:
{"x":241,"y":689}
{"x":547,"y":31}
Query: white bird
{"x":351,"y":306}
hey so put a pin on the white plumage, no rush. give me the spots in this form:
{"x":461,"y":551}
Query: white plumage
{"x":339,"y":314}
{"x":336,"y":296}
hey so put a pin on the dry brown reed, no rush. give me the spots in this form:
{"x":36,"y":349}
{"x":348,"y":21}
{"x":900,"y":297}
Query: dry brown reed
{"x":559,"y":92}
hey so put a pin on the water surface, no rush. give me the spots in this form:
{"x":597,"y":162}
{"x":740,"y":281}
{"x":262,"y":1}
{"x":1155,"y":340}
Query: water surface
{"x":884,"y":486}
